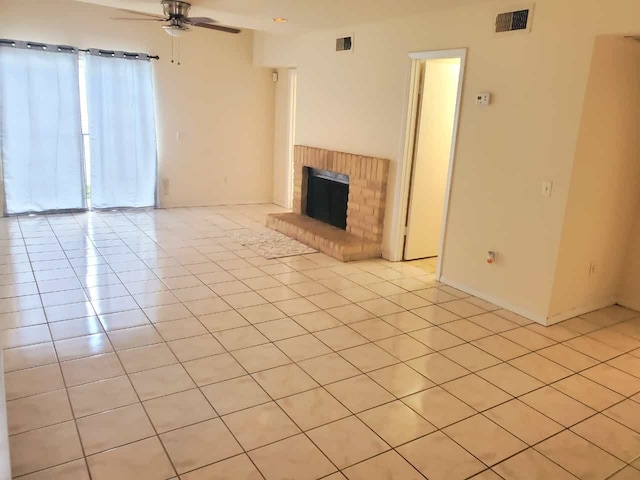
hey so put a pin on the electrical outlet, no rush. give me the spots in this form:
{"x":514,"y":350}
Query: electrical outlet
{"x":483,"y":99}
{"x":165,"y":186}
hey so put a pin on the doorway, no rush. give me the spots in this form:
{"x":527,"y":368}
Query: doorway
{"x":434,"y":108}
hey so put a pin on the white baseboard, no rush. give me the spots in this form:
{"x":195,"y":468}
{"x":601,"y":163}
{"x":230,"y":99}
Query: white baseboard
{"x":633,"y":305}
{"x":496,"y":301}
{"x":591,"y":307}
{"x":169,"y":205}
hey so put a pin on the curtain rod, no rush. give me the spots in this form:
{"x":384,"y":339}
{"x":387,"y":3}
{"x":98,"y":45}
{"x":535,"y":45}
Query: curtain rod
{"x":70,"y":49}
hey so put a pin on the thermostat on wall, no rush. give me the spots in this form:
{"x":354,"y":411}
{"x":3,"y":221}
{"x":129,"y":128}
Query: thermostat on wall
{"x":483,"y":99}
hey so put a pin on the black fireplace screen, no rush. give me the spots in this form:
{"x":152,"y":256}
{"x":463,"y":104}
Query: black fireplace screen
{"x":327,"y":197}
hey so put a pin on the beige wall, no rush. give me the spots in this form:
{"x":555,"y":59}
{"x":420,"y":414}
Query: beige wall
{"x":274,"y":50}
{"x":356,"y":102}
{"x":221,"y":105}
{"x":629,"y":294}
{"x":605,"y":183}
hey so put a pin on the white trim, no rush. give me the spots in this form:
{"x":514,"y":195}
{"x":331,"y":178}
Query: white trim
{"x":406,"y":153}
{"x":496,"y":301}
{"x":628,"y":304}
{"x":592,"y":307}
{"x":543,"y":320}
{"x":396,"y":249}
{"x":291,"y":133}
{"x":460,"y":53}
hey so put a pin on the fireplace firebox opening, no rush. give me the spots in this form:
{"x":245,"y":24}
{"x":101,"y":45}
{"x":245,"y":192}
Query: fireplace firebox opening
{"x":327,"y":196}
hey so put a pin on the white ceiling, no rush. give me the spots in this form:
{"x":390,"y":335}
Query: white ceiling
{"x":303,"y":15}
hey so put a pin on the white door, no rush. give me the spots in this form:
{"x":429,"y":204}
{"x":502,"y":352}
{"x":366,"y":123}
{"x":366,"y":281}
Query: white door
{"x":291,"y":140}
{"x":432,"y":156}
{"x":284,"y":138}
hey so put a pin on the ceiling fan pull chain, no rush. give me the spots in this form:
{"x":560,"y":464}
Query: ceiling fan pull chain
{"x":178,"y":51}
{"x":172,"y":49}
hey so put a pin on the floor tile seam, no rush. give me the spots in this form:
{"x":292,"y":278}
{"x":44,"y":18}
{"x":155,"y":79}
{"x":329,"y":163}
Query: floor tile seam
{"x":68,"y":397}
{"x":68,"y":462}
{"x":606,"y":363}
{"x":443,"y":386}
{"x":393,"y":449}
{"x":531,"y":447}
{"x":226,"y":426}
{"x":527,"y":446}
{"x":625,"y":397}
{"x":441,"y":431}
{"x":237,"y":455}
{"x":619,"y":402}
{"x":352,"y":414}
{"x":396,"y":398}
{"x":601,"y":448}
{"x":85,"y":455}
{"x":300,"y":432}
{"x":624,"y":463}
{"x":136,"y":394}
{"x":42,"y":427}
{"x":483,"y":412}
{"x":142,"y":308}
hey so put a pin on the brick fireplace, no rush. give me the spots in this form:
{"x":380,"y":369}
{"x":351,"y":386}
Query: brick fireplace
{"x":367,"y":178}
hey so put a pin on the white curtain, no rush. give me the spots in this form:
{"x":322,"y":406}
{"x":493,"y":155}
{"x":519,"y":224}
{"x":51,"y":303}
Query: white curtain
{"x":40,"y":130}
{"x":122,"y":132}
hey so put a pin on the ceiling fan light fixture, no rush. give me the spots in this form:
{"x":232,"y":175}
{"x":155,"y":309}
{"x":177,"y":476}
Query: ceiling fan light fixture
{"x":280,"y":20}
{"x":174,"y":30}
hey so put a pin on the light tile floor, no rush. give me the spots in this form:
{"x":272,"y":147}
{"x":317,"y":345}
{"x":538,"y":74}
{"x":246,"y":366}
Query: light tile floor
{"x":147,"y":345}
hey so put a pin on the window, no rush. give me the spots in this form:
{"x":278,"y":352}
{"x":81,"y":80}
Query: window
{"x":122,"y":132}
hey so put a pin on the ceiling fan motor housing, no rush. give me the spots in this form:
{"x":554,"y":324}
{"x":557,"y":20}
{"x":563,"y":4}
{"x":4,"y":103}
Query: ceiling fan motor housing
{"x":175,"y":8}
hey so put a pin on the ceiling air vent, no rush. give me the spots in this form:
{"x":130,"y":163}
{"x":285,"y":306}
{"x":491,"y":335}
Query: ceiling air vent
{"x":515,"y":21}
{"x":344,"y":44}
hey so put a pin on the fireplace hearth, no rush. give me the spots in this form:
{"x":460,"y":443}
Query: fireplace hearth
{"x":321,"y":218}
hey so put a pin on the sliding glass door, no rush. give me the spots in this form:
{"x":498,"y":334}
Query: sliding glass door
{"x":76,"y":130}
{"x":121,"y":131}
{"x":40,"y":130}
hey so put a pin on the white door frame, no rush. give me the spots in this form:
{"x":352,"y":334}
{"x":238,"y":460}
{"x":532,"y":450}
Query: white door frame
{"x":291,"y":133}
{"x":407,"y":151}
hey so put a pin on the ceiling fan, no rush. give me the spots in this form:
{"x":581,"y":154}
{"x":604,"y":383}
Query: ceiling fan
{"x":176,"y":14}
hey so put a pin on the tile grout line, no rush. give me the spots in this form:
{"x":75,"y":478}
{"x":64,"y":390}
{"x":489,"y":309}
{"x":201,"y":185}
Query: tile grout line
{"x":365,"y":344}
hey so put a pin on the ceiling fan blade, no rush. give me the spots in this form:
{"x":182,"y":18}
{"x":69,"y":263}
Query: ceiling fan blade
{"x":143,"y":14}
{"x":140,"y":19}
{"x":194,"y":20}
{"x":221,"y":28}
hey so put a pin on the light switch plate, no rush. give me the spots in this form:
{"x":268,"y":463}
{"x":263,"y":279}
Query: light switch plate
{"x":547,"y":187}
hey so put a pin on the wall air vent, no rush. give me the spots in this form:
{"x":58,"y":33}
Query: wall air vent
{"x":515,"y":21}
{"x":344,"y":44}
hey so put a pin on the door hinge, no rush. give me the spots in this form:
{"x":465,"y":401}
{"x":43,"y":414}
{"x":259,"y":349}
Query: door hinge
{"x":406,"y":230}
